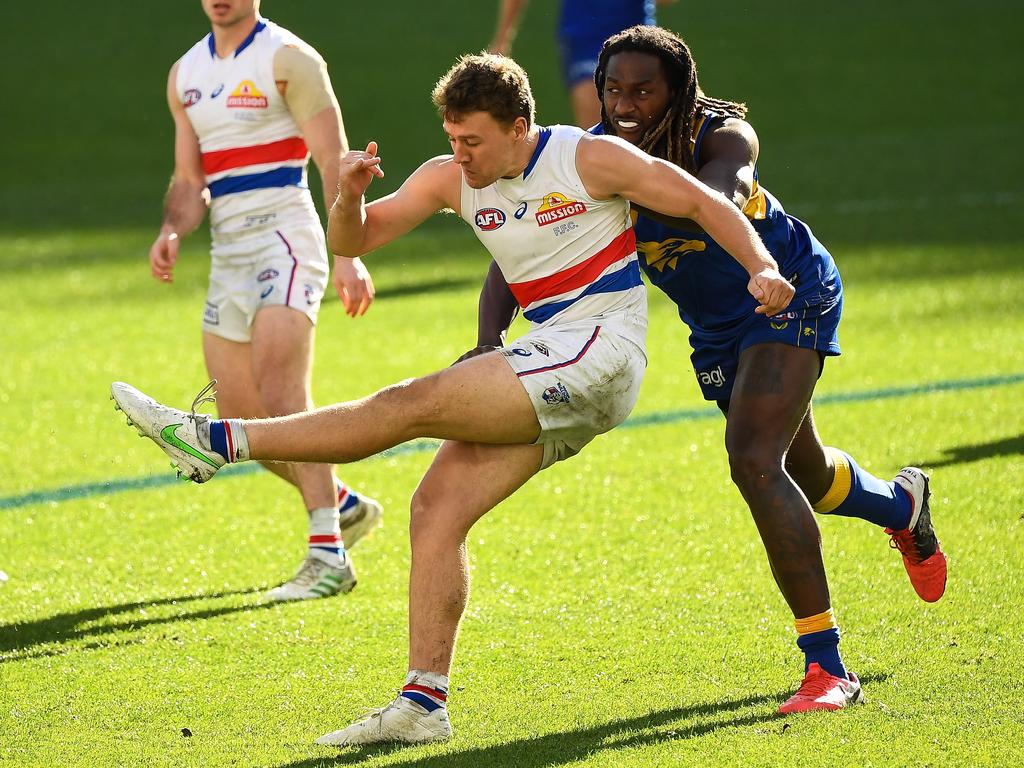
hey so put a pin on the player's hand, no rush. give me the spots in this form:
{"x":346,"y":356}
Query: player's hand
{"x":477,"y":351}
{"x":772,"y":291}
{"x":354,"y":285}
{"x":163,"y":255}
{"x":357,"y":170}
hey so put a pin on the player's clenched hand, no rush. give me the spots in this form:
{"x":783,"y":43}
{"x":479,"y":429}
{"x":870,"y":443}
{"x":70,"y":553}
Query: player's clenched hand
{"x":163,"y":255}
{"x":772,"y":290}
{"x":358,"y":169}
{"x":354,"y":285}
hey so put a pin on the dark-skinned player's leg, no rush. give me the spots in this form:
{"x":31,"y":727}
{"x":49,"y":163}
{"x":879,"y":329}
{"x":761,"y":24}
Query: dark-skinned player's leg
{"x":769,"y":401}
{"x":837,"y":485}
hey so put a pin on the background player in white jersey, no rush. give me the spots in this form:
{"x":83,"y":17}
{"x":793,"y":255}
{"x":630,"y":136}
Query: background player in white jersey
{"x":250,"y":102}
{"x":555,"y":216}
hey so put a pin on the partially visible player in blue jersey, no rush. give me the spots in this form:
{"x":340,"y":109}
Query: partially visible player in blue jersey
{"x":761,"y":371}
{"x":583,"y":26}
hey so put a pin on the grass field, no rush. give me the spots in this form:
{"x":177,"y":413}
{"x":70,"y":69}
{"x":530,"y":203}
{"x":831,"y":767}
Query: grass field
{"x":623,"y":613}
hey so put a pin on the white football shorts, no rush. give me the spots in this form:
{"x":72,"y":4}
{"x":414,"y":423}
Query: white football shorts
{"x":281,"y":267}
{"x":583,"y":379}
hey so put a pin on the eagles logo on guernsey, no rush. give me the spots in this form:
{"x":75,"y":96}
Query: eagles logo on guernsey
{"x":565,"y":255}
{"x":253,"y":154}
{"x":708,"y":285}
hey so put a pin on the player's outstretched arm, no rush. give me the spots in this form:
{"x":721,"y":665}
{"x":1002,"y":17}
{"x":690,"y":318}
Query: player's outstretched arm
{"x":609,"y":166}
{"x":187,"y":197}
{"x":355,"y":227}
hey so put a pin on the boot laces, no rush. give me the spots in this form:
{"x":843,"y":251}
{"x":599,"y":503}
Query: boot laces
{"x":206,"y":395}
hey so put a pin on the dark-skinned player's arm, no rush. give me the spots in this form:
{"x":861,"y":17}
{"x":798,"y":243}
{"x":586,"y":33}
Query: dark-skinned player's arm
{"x":495,"y":313}
{"x":611,"y":167}
{"x":729,"y":151}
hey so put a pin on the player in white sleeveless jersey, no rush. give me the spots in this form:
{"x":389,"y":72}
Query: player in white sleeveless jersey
{"x":250,"y":103}
{"x":551,"y":207}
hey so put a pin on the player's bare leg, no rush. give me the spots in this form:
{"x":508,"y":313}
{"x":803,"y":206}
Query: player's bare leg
{"x":479,"y":400}
{"x":464,"y":482}
{"x":770,"y":399}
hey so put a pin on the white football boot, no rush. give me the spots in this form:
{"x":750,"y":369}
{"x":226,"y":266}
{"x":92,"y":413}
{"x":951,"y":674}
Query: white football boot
{"x":173,"y":430}
{"x":316,"y":579}
{"x":360,"y":520}
{"x":400,"y":721}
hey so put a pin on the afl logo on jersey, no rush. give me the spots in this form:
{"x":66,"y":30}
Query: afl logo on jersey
{"x":489,"y":219}
{"x":190,"y":97}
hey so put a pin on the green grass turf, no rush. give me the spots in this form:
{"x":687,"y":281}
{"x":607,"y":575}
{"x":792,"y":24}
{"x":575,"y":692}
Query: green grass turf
{"x":623,"y":613}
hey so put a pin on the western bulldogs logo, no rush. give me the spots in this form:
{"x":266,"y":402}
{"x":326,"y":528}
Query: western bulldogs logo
{"x":489,"y":219}
{"x":267,"y":274}
{"x":556,"y":394}
{"x":190,"y":97}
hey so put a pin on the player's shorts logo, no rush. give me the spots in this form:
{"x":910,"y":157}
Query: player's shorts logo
{"x":556,"y":207}
{"x":713,"y":378}
{"x":516,"y":352}
{"x":556,"y":394}
{"x":267,"y":274}
{"x":212,"y":315}
{"x":489,"y":219}
{"x":190,"y":97}
{"x":247,"y":96}
{"x":542,"y":348}
{"x":266,"y":291}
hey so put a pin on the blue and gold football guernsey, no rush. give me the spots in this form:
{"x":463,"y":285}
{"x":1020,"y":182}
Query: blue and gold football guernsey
{"x":709,"y":286}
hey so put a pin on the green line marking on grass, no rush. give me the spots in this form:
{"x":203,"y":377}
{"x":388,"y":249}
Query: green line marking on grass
{"x":75,"y":492}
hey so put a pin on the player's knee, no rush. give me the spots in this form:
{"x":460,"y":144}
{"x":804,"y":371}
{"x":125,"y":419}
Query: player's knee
{"x":753,"y":464}
{"x":429,"y":526}
{"x":414,"y":401}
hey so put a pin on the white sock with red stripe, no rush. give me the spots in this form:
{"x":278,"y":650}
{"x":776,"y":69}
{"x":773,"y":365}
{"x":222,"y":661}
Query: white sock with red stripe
{"x":325,"y":536}
{"x":428,"y":690}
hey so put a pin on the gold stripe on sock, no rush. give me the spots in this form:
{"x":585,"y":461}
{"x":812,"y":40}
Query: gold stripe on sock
{"x":841,"y":483}
{"x":817,"y":623}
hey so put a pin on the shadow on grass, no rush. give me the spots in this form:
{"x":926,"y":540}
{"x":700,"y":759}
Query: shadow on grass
{"x":28,"y":639}
{"x":965,"y":454}
{"x":430,"y":286}
{"x":677,"y":723}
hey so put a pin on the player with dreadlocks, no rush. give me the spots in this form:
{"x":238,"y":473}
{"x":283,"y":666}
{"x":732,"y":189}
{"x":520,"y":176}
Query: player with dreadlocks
{"x":760,"y":370}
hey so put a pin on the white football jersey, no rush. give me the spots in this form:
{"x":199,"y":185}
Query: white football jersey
{"x":254,"y":156}
{"x":566,"y":256}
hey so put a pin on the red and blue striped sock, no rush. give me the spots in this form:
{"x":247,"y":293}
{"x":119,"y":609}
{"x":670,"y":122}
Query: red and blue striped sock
{"x":347,"y":498}
{"x":428,"y":690}
{"x":227,"y":437}
{"x":325,"y":536}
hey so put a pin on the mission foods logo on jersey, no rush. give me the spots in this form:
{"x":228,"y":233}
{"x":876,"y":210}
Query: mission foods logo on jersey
{"x":556,"y":207}
{"x":247,"y":96}
{"x":489,"y":219}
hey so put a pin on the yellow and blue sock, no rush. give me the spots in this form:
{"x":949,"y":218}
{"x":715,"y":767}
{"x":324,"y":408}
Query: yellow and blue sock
{"x":819,"y":640}
{"x":856,"y":493}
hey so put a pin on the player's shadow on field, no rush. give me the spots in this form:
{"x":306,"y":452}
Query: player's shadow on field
{"x":678,"y":723}
{"x":965,"y":454}
{"x":63,"y":631}
{"x":429,"y":286}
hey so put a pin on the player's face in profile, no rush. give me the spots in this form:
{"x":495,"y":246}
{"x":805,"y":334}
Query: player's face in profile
{"x":636,"y":93}
{"x":483,"y":147}
{"x":224,"y":13}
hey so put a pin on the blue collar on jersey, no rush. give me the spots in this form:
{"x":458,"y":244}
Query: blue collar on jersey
{"x":545,"y":134}
{"x":261,"y":24}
